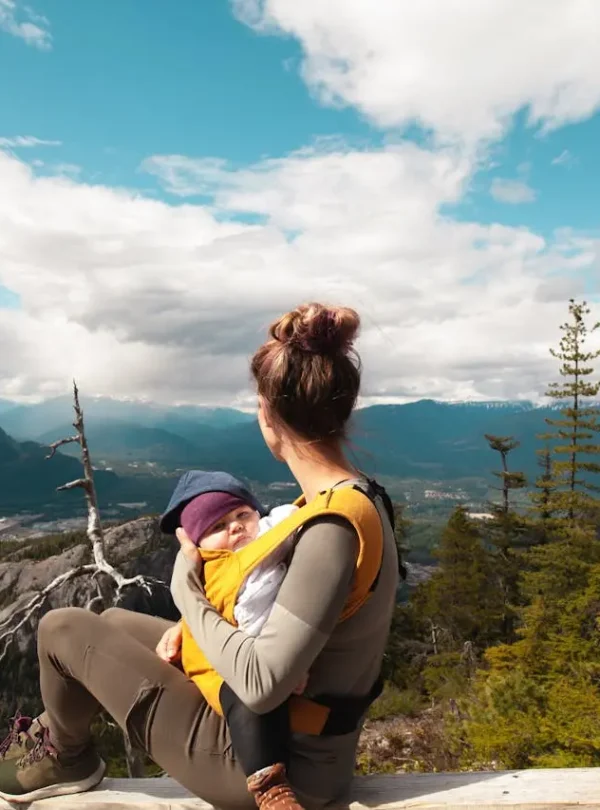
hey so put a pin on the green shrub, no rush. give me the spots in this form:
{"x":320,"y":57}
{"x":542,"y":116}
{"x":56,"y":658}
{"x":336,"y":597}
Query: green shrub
{"x":394,"y":701}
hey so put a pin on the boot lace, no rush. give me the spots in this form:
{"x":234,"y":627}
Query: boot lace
{"x":19,"y":724}
{"x":42,"y":748}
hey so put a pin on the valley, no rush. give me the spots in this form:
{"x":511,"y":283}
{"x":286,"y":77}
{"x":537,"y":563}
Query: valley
{"x":430,"y":456}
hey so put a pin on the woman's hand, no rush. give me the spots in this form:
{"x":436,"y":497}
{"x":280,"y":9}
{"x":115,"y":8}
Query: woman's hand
{"x":169,"y":647}
{"x":188,"y":549}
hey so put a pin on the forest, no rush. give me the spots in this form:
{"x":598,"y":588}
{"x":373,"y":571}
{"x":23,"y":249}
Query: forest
{"x":497,"y":655}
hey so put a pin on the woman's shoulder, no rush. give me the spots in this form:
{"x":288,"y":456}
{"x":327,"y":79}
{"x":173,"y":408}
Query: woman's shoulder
{"x":330,"y":536}
{"x":339,"y":514}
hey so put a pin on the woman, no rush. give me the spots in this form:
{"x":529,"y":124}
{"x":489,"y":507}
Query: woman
{"x":307,"y":377}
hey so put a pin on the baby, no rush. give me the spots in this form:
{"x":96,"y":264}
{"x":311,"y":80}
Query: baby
{"x":219,"y":520}
{"x":229,"y":517}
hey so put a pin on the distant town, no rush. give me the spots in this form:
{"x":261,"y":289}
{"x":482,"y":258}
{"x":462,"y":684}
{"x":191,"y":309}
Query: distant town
{"x":422,"y":501}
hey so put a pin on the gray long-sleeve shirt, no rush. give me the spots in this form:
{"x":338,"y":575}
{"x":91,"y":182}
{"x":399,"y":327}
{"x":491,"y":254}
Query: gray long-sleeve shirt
{"x":302,"y":634}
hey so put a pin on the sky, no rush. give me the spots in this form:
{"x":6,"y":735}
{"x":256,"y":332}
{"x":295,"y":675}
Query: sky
{"x":174,"y":177}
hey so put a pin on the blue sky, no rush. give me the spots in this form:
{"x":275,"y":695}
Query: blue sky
{"x":117,"y":86}
{"x":123,"y":82}
{"x":562,"y":168}
{"x":250,"y":125}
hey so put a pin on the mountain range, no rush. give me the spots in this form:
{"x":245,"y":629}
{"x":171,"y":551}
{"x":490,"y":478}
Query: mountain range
{"x":6,"y":405}
{"x":426,"y":440}
{"x":38,"y":420}
{"x":28,"y":479}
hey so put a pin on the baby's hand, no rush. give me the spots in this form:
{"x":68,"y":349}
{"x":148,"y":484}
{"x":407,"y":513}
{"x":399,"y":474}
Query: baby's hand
{"x":302,"y":685}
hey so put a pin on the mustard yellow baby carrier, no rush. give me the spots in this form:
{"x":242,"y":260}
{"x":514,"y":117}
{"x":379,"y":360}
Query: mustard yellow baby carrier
{"x":225,"y":571}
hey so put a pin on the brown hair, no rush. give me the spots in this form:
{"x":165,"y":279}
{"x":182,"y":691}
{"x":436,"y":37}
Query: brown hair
{"x":308,"y":373}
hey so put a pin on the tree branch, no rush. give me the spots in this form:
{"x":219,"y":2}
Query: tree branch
{"x":55,"y":445}
{"x":25,"y":613}
{"x":79,"y":482}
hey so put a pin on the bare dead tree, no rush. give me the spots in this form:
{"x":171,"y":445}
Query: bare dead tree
{"x":10,"y":626}
{"x":94,"y":530}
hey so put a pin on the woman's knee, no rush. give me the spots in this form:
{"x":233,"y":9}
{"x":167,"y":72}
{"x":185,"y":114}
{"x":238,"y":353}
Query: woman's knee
{"x":147,"y":630}
{"x":119,"y":618}
{"x":61,"y":623}
{"x":114,"y":615}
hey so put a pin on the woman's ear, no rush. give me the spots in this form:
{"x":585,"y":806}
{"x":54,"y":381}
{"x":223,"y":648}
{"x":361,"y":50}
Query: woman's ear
{"x":263,"y":419}
{"x":271,"y":437}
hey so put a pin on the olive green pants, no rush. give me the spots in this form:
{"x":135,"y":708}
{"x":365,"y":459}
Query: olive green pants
{"x":90,"y":662}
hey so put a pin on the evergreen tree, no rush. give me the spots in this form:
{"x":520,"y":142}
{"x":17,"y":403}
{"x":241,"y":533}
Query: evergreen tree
{"x":459,"y":607}
{"x":505,"y":532}
{"x":567,"y":498}
{"x":541,"y":524}
{"x":510,"y":480}
{"x":567,"y":509}
{"x":537,"y":702}
{"x":462,"y":599}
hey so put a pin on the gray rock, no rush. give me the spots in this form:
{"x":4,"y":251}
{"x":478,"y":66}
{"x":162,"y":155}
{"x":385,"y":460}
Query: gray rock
{"x":137,"y":547}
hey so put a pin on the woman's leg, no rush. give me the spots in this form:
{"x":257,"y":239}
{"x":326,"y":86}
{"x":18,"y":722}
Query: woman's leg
{"x":148,"y":630}
{"x":89,"y":661}
{"x":69,"y":706}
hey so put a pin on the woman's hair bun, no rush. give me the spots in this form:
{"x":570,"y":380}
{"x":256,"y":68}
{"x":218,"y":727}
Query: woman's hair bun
{"x":308,"y":373}
{"x":318,"y":329}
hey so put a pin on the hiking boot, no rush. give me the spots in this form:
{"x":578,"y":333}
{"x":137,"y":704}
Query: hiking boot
{"x":21,"y":738}
{"x":271,"y":789}
{"x":43,"y":772}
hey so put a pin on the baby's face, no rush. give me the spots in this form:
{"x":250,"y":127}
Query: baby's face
{"x":234,"y":530}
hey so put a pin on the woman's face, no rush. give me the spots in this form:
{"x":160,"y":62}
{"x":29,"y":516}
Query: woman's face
{"x":272,"y":439}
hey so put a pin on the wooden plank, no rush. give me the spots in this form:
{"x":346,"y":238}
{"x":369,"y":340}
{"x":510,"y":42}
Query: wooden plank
{"x":519,"y":790}
{"x":540,"y":789}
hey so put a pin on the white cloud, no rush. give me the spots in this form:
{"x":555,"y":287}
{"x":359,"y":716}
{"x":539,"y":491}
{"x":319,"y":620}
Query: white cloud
{"x":21,"y":21}
{"x":25,"y":141}
{"x":460,"y":68}
{"x":511,"y":191}
{"x":67,"y":169}
{"x":136,"y":297}
{"x":186,"y":177}
{"x":285,"y":190}
{"x":564,"y":159}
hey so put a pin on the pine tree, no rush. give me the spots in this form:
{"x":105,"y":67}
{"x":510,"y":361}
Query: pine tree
{"x":567,"y":494}
{"x":462,"y":598}
{"x":541,"y":499}
{"x":537,"y":702}
{"x":567,"y":508}
{"x":510,"y":480}
{"x":505,"y":532}
{"x":460,"y":608}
